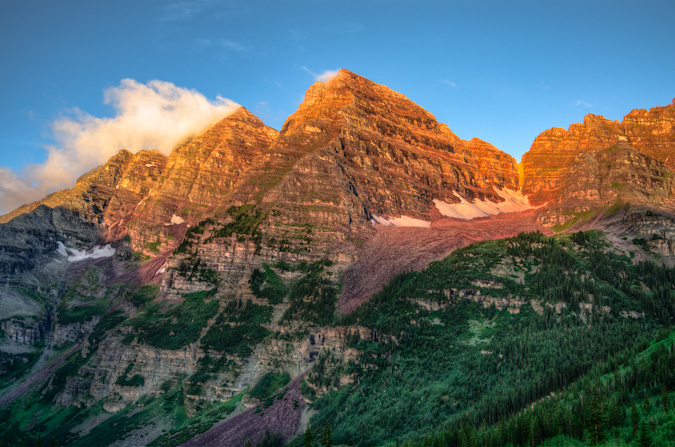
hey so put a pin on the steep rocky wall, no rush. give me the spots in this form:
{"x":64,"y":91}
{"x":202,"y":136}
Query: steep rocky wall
{"x":91,"y":194}
{"x":546,"y":164}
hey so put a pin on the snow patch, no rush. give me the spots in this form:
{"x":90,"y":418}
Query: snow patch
{"x":162,"y":269}
{"x":513,"y":201}
{"x":175,"y":220}
{"x":61,"y":249}
{"x":75,"y":255}
{"x":403,"y":221}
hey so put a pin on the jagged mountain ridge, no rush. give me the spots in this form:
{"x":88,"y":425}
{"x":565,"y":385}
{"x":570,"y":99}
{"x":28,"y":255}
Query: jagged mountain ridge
{"x":650,"y":132}
{"x":349,"y":193}
{"x":409,"y":160}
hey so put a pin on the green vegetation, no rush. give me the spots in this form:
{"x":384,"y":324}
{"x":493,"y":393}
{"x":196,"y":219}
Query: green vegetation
{"x":642,"y":243}
{"x":577,"y":219}
{"x":179,"y":326}
{"x":267,"y":284}
{"x":185,"y":429}
{"x":14,"y":366}
{"x":467,"y":366}
{"x":296,"y":241}
{"x":269,"y":384}
{"x":195,"y":269}
{"x":238,"y":329}
{"x":153,"y":246}
{"x":81,"y":302}
{"x":125,"y":380}
{"x":26,"y":420}
{"x":615,"y":208}
{"x":527,"y":341}
{"x":191,"y":235}
{"x":79,"y":314}
{"x":627,"y":402}
{"x":33,"y":416}
{"x":109,"y":321}
{"x":58,"y":380}
{"x":140,"y":256}
{"x":246,"y":222}
{"x":313,"y":297}
{"x":144,"y":295}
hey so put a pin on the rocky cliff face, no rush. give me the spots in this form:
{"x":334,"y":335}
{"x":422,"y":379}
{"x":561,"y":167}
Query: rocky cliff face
{"x":616,"y":173}
{"x":30,"y":240}
{"x":547,"y":163}
{"x":253,"y":239}
{"x":199,"y":175}
{"x":393,"y":156}
{"x":91,"y":194}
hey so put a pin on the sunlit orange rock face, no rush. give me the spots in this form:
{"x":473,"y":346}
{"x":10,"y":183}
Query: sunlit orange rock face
{"x":106,"y":187}
{"x":546,"y":164}
{"x":359,"y":146}
{"x":203,"y":171}
{"x":198,"y":177}
{"x":352,"y":150}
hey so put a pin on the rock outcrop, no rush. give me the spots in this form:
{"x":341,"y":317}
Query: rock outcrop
{"x":547,"y":164}
{"x":91,"y":194}
{"x":358,"y":186}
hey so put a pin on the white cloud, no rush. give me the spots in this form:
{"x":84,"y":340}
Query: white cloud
{"x":452,"y":84}
{"x":157,"y":115}
{"x":321,"y":77}
{"x":583,"y":104}
{"x":14,"y":190}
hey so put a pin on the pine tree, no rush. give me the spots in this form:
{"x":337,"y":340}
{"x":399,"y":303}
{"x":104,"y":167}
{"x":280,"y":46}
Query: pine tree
{"x":248,"y":443}
{"x":616,"y":414}
{"x":634,"y":418}
{"x":326,"y":436}
{"x":38,"y":443}
{"x":596,"y":425}
{"x":308,"y":438}
{"x":665,"y":399}
{"x":647,"y":406}
{"x":644,"y":437}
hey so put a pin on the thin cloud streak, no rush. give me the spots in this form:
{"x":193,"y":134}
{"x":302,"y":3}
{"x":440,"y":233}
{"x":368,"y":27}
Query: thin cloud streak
{"x":184,"y":10}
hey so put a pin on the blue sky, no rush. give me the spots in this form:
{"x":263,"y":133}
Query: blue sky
{"x":503,"y":71}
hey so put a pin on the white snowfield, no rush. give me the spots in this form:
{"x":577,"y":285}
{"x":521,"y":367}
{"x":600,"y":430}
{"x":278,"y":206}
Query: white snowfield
{"x":175,"y":220}
{"x":403,"y":221}
{"x":74,"y":255}
{"x":513,"y":201}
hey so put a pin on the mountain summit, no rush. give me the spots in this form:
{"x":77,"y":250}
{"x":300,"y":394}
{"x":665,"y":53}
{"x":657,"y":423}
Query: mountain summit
{"x":259,"y":270}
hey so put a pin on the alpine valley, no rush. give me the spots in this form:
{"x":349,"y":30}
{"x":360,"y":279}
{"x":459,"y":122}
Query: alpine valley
{"x":362,"y":277}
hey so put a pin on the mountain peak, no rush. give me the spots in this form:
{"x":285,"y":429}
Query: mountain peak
{"x":242,"y":114}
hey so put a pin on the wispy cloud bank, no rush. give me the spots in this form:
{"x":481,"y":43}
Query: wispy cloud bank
{"x":227,"y":46}
{"x":323,"y":76}
{"x":184,"y":10}
{"x":583,"y":104}
{"x":157,"y":115}
{"x":449,"y":83}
